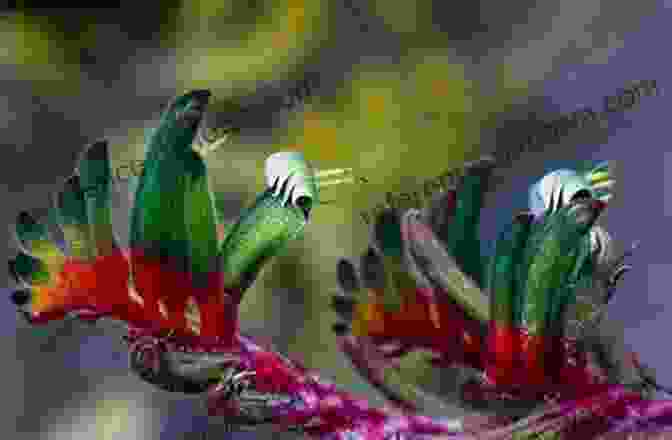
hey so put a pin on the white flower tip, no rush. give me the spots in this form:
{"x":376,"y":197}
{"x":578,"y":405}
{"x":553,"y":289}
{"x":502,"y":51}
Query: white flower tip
{"x":288,"y":174}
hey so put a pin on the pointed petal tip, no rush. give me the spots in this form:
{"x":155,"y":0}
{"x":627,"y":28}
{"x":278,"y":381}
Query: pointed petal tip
{"x":344,"y":306}
{"x":24,"y":218}
{"x":346,"y":275}
{"x":20,"y":297}
{"x":340,"y":328}
{"x":202,"y":95}
{"x":96,"y":150}
{"x":12,"y":270}
{"x":73,"y":182}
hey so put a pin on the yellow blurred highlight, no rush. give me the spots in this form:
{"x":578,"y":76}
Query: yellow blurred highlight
{"x":112,"y":419}
{"x":296,"y":24}
{"x":376,"y":103}
{"x":376,"y":120}
{"x":275,"y":44}
{"x":322,"y":132}
{"x":441,"y":88}
{"x":38,"y":54}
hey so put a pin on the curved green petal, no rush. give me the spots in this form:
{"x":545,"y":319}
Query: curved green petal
{"x":555,"y":253}
{"x":261,"y":232}
{"x":173,"y":213}
{"x":277,"y":216}
{"x":389,"y":241}
{"x":71,"y":211}
{"x":505,"y":290}
{"x":95,"y":177}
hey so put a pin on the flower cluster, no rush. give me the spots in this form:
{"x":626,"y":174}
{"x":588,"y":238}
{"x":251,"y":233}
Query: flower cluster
{"x":417,"y":287}
{"x":544,"y":134}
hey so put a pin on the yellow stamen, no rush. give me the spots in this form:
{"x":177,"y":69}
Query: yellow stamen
{"x":192,"y":314}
